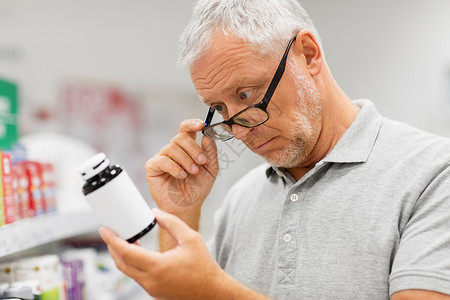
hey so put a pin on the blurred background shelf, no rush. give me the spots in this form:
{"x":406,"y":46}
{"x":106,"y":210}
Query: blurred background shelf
{"x":29,"y":233}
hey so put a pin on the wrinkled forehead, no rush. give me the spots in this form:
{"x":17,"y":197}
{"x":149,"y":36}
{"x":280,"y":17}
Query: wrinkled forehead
{"x":226,"y":57}
{"x":228,"y":46}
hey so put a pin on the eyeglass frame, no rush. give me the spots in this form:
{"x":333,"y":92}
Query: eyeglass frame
{"x":261,"y":105}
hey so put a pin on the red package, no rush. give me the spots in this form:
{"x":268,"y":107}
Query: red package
{"x":26,"y":207}
{"x":49,"y":186}
{"x":15,"y":188}
{"x":35,"y":190}
{"x":7,"y":190}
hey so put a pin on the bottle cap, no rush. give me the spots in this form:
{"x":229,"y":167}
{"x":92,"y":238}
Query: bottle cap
{"x":93,"y":166}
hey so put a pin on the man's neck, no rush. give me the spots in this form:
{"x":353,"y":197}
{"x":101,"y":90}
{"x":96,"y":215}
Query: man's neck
{"x":338,"y":115}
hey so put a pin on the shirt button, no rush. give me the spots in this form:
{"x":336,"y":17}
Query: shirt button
{"x":294,"y":197}
{"x":287,"y":238}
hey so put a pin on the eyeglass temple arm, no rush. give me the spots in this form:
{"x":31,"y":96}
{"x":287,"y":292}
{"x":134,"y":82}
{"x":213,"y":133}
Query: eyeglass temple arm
{"x":209,"y":116}
{"x":278,"y":74}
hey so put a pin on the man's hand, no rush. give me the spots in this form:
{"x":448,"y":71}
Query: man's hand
{"x":185,"y":272}
{"x":181,"y":175}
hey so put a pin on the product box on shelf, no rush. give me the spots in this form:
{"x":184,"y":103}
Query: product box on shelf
{"x":87,"y":279}
{"x":73,"y":275}
{"x":7,"y":272}
{"x":7,"y":205}
{"x":44,"y":269}
{"x":33,"y":189}
{"x":26,"y":206}
{"x":36,"y":193}
{"x":48,"y":186}
{"x":15,"y":191}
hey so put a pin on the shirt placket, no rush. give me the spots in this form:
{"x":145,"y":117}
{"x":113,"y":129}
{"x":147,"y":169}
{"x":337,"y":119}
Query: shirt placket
{"x":288,"y":237}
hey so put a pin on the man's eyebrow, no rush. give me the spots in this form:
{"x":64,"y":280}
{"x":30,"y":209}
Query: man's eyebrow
{"x":233,"y":85}
{"x":230,"y":88}
{"x":205,"y":101}
{"x":236,"y":84}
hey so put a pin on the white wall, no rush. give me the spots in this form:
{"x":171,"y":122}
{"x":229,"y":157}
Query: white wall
{"x":133,"y":43}
{"x":395,"y":52}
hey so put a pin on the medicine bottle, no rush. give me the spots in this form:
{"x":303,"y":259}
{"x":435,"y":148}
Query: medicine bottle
{"x":115,"y":199}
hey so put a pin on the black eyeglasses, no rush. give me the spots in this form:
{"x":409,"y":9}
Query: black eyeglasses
{"x":251,"y":116}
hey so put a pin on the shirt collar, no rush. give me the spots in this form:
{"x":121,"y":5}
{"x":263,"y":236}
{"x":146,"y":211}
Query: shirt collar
{"x":357,"y":142}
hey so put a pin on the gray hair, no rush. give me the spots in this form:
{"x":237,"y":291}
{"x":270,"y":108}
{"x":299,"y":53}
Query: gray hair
{"x":266,"y":25}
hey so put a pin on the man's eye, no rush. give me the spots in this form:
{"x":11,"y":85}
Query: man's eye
{"x":219,"y":108}
{"x":245,"y":95}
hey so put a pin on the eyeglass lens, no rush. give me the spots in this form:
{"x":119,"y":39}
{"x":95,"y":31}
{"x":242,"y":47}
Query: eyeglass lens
{"x":250,"y":117}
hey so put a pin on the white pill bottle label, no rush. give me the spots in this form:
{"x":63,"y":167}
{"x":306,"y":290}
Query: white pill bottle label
{"x":115,"y":199}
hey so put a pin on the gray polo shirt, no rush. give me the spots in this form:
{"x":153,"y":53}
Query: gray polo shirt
{"x":370,"y":219}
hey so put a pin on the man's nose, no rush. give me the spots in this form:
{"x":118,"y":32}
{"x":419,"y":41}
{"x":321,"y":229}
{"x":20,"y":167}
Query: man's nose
{"x":239,"y":132}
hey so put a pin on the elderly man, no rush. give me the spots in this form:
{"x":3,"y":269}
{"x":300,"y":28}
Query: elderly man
{"x":350,"y":205}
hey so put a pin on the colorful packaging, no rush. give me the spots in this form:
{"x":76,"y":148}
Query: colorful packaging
{"x":2,"y":202}
{"x":34,"y":172}
{"x":74,"y":279}
{"x":15,"y":190}
{"x":6,"y":191}
{"x":9,"y":132}
{"x":36,"y":198}
{"x":89,"y":277}
{"x":48,"y":186}
{"x":26,"y":206}
{"x":29,"y":188}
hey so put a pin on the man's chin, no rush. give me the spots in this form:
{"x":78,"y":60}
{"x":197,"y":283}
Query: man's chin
{"x":286,"y":158}
{"x":281,"y":161}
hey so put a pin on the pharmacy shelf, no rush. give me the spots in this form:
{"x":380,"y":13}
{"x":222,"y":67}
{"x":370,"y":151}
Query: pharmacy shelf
{"x":29,"y":233}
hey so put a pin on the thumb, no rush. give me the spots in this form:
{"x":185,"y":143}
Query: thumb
{"x":172,"y":224}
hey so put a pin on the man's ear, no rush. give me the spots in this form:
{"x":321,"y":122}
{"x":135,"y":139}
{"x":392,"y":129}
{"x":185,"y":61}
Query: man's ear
{"x":308,"y":46}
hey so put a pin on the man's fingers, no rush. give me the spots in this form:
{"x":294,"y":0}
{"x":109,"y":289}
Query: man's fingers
{"x":182,"y":155}
{"x":127,"y":256}
{"x":179,"y":230}
{"x":127,"y":269}
{"x":159,"y":165}
{"x":210,"y":148}
{"x":191,"y":127}
{"x":109,"y":236}
{"x":191,"y":148}
{"x":179,"y":156}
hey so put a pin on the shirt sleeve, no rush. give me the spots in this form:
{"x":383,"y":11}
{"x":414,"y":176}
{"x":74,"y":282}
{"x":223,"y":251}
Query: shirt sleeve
{"x":422,"y":260}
